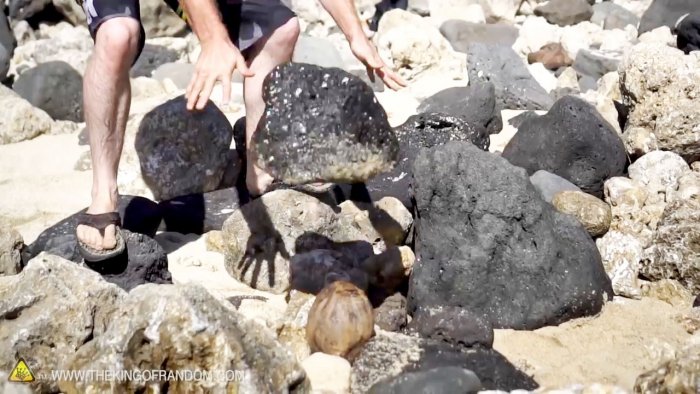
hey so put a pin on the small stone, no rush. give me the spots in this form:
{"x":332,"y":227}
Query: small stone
{"x":391,"y":314}
{"x":340,"y":320}
{"x":676,"y":375}
{"x":593,"y":213}
{"x":669,"y":291}
{"x":291,"y":330}
{"x":55,"y":87}
{"x":552,"y":56}
{"x":461,"y":34}
{"x":11,"y":245}
{"x":327,"y":373}
{"x":621,"y":254}
{"x":476,"y":104}
{"x":613,"y":16}
{"x":659,"y":171}
{"x":20,"y":120}
{"x":437,"y":380}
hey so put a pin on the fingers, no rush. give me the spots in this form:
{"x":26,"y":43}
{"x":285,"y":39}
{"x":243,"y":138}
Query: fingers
{"x":205,"y":92}
{"x":226,"y":81}
{"x":391,"y":79}
{"x":194,"y":89}
{"x":243,"y":67}
{"x":370,"y":73}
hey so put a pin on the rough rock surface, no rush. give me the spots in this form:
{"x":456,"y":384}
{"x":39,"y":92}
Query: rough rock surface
{"x":677,"y":375}
{"x":621,"y":254}
{"x":327,"y":373}
{"x":611,"y":15}
{"x":461,"y":33}
{"x":391,"y":314}
{"x":573,"y":141}
{"x":11,"y":245}
{"x":424,"y":130}
{"x":515,"y":86}
{"x":388,"y":355}
{"x":181,"y":152}
{"x":666,"y":13}
{"x":593,"y":213}
{"x":55,"y":87}
{"x":175,"y":327}
{"x":549,"y":184}
{"x":322,"y":125}
{"x":475,"y":104}
{"x":20,"y":120}
{"x":412,"y":46}
{"x":49,"y":311}
{"x":497,"y":237}
{"x":674,"y":253}
{"x":437,"y":380}
{"x":660,"y":87}
{"x":565,"y":12}
{"x":453,"y":325}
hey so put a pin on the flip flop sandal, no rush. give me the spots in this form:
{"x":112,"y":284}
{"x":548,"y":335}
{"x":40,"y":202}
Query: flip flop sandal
{"x":100,"y":222}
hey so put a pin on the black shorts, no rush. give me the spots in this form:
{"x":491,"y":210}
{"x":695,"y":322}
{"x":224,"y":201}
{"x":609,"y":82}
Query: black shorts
{"x":247,"y":21}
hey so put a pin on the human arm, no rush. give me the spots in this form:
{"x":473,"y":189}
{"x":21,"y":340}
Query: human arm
{"x":345,"y":16}
{"x":219,"y":57}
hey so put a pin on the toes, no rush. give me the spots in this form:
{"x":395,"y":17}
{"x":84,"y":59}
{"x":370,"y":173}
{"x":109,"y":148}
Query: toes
{"x":110,"y":238}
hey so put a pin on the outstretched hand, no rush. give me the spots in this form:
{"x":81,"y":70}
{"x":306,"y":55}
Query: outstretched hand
{"x":365,"y":52}
{"x":217,"y":62}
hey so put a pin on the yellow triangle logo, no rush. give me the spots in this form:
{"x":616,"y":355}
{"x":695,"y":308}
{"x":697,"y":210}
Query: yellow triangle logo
{"x":21,"y":373}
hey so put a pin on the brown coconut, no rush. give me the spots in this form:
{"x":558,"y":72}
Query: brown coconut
{"x":340,"y":320}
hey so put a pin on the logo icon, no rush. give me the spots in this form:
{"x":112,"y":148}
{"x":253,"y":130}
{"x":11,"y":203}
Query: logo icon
{"x":21,"y":373}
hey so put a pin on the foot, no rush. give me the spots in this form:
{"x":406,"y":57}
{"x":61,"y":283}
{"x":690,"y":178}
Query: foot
{"x":258,"y":181}
{"x":91,"y":236}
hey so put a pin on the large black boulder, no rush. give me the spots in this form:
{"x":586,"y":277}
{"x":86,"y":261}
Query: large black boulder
{"x":7,"y":46}
{"x":322,"y":124}
{"x":666,"y":13}
{"x":56,"y":87}
{"x":475,"y":103}
{"x":688,"y":38}
{"x":516,"y":88}
{"x":422,"y":131}
{"x":139,"y":215}
{"x":573,"y":141}
{"x":488,"y":243}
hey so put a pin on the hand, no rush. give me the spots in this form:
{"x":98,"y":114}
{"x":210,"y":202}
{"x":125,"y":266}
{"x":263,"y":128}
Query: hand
{"x":217,"y":62}
{"x":365,"y":52}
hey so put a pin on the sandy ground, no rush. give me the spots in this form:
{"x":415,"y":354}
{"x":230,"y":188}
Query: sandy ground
{"x":39,"y":186}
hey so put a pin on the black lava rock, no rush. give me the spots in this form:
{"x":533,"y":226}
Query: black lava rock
{"x":475,"y":104}
{"x":516,"y":88}
{"x":488,"y":243}
{"x":453,"y":325}
{"x":55,"y":87}
{"x":145,"y":261}
{"x":199,"y":213}
{"x":689,"y":34}
{"x":444,"y":380}
{"x":573,"y":141}
{"x":7,"y":46}
{"x":565,"y":12}
{"x":139,"y":215}
{"x":422,"y":131}
{"x":322,"y":124}
{"x":461,"y":33}
{"x":666,"y":13}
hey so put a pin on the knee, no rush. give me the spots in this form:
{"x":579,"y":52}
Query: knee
{"x":117,"y":41}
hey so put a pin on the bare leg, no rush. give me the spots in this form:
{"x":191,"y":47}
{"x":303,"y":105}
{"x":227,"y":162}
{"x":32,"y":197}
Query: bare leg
{"x":107,"y":98}
{"x":268,"y":54}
